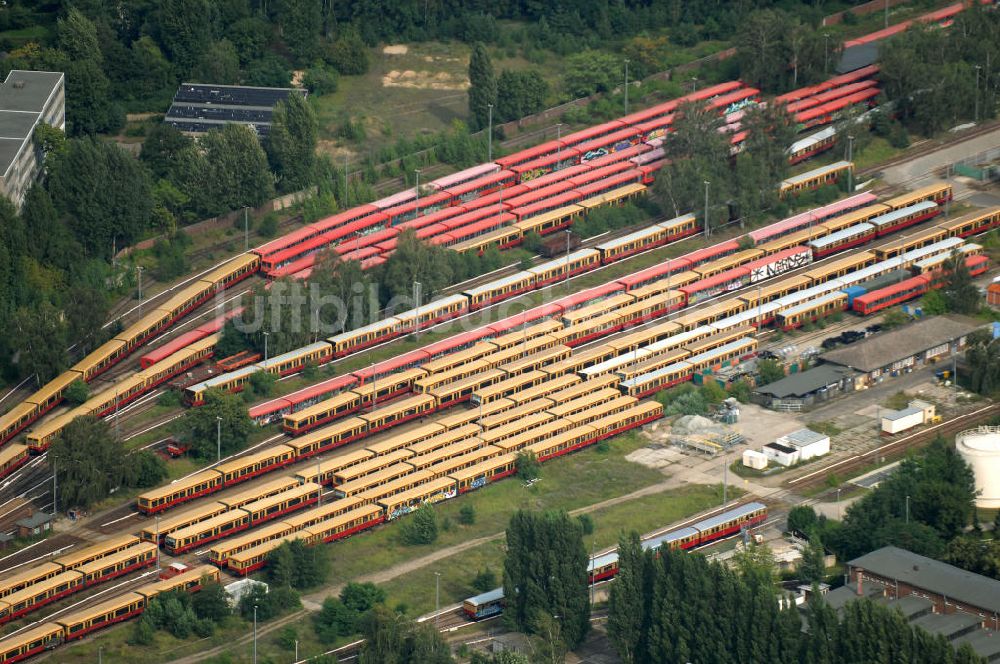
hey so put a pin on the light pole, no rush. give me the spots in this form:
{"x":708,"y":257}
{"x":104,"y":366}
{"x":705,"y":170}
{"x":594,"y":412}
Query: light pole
{"x":626,"y":86}
{"x":907,"y":509}
{"x":246,"y":229}
{"x":296,"y":650}
{"x":489,"y":153}
{"x":838,"y":503}
{"x":254,"y":634}
{"x":826,"y":52}
{"x":266,"y":335}
{"x":218,"y":437}
{"x":886,"y":21}
{"x":707,"y":232}
{"x":694,"y":84}
{"x":725,"y":478}
{"x":437,"y":595}
{"x":558,"y":144}
{"x":55,"y":507}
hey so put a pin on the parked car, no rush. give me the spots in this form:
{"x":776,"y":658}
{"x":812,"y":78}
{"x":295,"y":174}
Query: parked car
{"x":850,"y":336}
{"x":830,"y":342}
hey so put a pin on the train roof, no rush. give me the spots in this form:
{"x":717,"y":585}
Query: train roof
{"x":890,"y":217}
{"x":728,"y":515}
{"x":842,"y":234}
{"x":812,"y":304}
{"x":672,"y":536}
{"x":809,"y":175}
{"x":465,"y":175}
{"x":486,"y":597}
{"x":515,"y":278}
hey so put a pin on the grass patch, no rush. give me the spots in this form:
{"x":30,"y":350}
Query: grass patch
{"x":825,"y":427}
{"x":897,"y":401}
{"x":607,"y":475}
{"x":876,"y":152}
{"x":415,"y":590}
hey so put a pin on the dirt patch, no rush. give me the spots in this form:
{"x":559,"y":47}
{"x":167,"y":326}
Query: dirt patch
{"x":396,"y":49}
{"x":424,"y":80}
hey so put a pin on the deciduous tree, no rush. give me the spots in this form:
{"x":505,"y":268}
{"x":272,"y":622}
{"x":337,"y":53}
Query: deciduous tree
{"x":200,"y":427}
{"x":291,"y":144}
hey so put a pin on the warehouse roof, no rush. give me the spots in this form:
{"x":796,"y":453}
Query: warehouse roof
{"x":804,"y":437}
{"x":928,"y":574}
{"x":884,"y":349}
{"x":805,"y":382}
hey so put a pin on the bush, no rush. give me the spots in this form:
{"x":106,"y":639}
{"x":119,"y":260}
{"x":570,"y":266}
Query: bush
{"x":262,"y":383}
{"x":320,"y":80}
{"x":467,"y":515}
{"x":421,"y":527}
{"x":77,"y":392}
{"x":586,"y":523}
{"x":485,"y":580}
{"x":527,"y":466}
{"x":268,"y":226}
{"x":741,"y":391}
{"x":170,"y":399}
{"x":712,"y":392}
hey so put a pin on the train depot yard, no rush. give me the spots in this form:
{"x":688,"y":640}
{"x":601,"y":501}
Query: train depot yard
{"x":727,"y":385}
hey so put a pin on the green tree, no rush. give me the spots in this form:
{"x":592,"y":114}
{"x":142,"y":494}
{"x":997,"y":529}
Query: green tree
{"x":960,"y":292}
{"x":292,"y":143}
{"x":103,"y":192}
{"x":812,"y":567}
{"x":934,"y":303}
{"x":545,"y":573}
{"x":894,"y":318}
{"x":77,"y":392}
{"x":334,"y":620}
{"x":770,"y":371}
{"x":762,"y":49}
{"x":361,"y":597}
{"x":228,"y":173}
{"x":528,"y":467}
{"x":421,"y":527}
{"x":200,"y":427}
{"x":802,"y":519}
{"x":588,"y":72}
{"x":185,"y":30}
{"x":626,"y":606}
{"x":40,"y":341}
{"x":269,"y":72}
{"x":78,"y":37}
{"x":300,"y":22}
{"x":482,"y":86}
{"x":467,"y":515}
{"x":87,"y":458}
{"x":320,"y":80}
{"x":414,"y":261}
{"x":519,"y":93}
{"x":211,"y":602}
{"x":348,"y":54}
{"x":162,"y":149}
{"x":485,"y":580}
{"x":219,"y":64}
{"x":390,"y":637}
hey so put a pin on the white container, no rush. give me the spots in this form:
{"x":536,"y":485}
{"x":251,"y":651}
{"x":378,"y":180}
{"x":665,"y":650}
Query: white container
{"x":754,"y":459}
{"x":896,"y":421}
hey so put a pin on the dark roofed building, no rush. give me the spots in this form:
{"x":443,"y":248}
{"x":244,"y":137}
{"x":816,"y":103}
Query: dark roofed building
{"x":900,"y":350}
{"x":198,"y":108}
{"x":857,"y":57}
{"x":803,"y":389}
{"x":950,"y":588}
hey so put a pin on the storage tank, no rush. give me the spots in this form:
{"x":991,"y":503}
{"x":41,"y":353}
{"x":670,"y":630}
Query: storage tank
{"x":980,"y":447}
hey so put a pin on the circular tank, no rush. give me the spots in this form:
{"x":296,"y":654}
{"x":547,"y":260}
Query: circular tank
{"x":980,"y":447}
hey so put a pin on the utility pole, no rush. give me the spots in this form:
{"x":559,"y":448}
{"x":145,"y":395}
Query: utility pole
{"x":218,"y":437}
{"x":826,"y":52}
{"x":266,"y":335}
{"x":592,"y":558}
{"x":296,"y":650}
{"x":55,"y":506}
{"x":345,"y":176}
{"x":886,"y":5}
{"x":558,"y":145}
{"x":626,"y":86}
{"x":246,"y":229}
{"x":254,"y":634}
{"x":907,"y":509}
{"x":118,"y":427}
{"x":707,"y":232}
{"x":489,"y":153}
{"x":838,"y":503}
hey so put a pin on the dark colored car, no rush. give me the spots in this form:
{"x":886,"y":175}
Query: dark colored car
{"x":873,"y":329}
{"x":850,"y":336}
{"x":830,"y":342}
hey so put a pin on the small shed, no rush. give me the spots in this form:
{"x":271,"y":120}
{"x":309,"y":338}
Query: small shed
{"x":34,"y":524}
{"x":993,"y":295}
{"x":781,"y":454}
{"x":754,"y":459}
{"x":916,"y":413}
{"x":809,"y":443}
